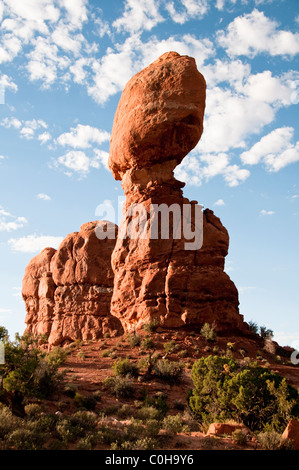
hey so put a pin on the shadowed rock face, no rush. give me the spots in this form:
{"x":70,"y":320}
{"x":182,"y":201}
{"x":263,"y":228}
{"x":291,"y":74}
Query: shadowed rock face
{"x":67,"y":292}
{"x":159,"y":119}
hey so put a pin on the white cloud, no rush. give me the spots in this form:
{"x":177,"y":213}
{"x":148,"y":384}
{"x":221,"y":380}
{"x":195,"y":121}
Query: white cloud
{"x":11,"y":122}
{"x":64,"y":38}
{"x":118,"y":65}
{"x":9,"y":222}
{"x":219,"y":202}
{"x":254,"y":33}
{"x":74,"y":161}
{"x":264,"y":212}
{"x":138,"y":15}
{"x":276,"y":150}
{"x":43,"y":196}
{"x":187,"y":10}
{"x":195,"y":170}
{"x":83,"y":136}
{"x":7,"y":83}
{"x":44,"y":137}
{"x":76,"y":12}
{"x":77,"y":161}
{"x":27,"y":128}
{"x":34,"y":243}
{"x":78,"y":71}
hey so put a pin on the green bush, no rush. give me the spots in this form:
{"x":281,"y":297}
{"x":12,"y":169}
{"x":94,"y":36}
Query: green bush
{"x":8,"y":422}
{"x":247,"y":393}
{"x":208,"y":332}
{"x":85,"y":402}
{"x":151,"y":326}
{"x":168,"y":371}
{"x":70,"y":390}
{"x":125,"y":367}
{"x":174,"y":424}
{"x":28,"y":371}
{"x":27,"y":439}
{"x":147,"y":343}
{"x":171,"y":347}
{"x":272,"y":440}
{"x":80,"y":425}
{"x":120,"y":386}
{"x":133,"y":340}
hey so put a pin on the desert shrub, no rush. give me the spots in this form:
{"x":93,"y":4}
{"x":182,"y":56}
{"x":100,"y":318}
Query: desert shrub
{"x":254,"y":328}
{"x":266,"y":333}
{"x":86,"y":443}
{"x":28,"y":371}
{"x":208,"y":332}
{"x":120,"y":386}
{"x":147,"y":443}
{"x":70,"y":390}
{"x":248,"y":393}
{"x":168,"y":371}
{"x":272,"y":440}
{"x":33,"y":410}
{"x":133,"y":340}
{"x":147,"y":413}
{"x":151,"y":326}
{"x":173,"y":424}
{"x":147,"y":343}
{"x":85,"y":402}
{"x":125,"y":411}
{"x":80,"y":425}
{"x":171,"y":347}
{"x":27,"y":439}
{"x":240,"y":436}
{"x":152,"y":428}
{"x":125,"y":367}
{"x":8,"y":422}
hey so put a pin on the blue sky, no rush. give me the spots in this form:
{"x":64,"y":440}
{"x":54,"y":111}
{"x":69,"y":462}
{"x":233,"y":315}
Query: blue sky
{"x":63,"y":65}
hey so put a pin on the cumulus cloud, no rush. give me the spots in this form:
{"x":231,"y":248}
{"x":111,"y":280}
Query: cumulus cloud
{"x":198,"y":169}
{"x":276,"y":150}
{"x":34,"y":243}
{"x":187,"y":9}
{"x":78,"y":162}
{"x":138,"y":15}
{"x":219,"y":202}
{"x":118,"y":65}
{"x":26,"y":128}
{"x":83,"y":136}
{"x":10,"y":222}
{"x":254,"y":33}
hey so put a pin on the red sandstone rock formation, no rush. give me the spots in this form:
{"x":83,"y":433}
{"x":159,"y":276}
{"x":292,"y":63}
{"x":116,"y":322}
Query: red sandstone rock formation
{"x":292,"y":432}
{"x":159,"y":119}
{"x":67,"y":292}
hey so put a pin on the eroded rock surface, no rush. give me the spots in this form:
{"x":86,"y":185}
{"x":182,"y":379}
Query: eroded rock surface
{"x":159,"y":119}
{"x":68,"y":292}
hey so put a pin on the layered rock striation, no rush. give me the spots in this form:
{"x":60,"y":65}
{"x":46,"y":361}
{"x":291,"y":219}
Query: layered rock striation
{"x":67,"y":292}
{"x":159,"y":120}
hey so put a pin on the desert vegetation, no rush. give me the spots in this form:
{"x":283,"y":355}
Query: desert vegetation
{"x":157,"y":391}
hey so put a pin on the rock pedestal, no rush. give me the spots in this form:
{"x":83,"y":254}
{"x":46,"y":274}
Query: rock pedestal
{"x":159,"y":119}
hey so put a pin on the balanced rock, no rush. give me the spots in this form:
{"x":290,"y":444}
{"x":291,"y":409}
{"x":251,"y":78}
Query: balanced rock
{"x":159,"y":119}
{"x":160,"y":114}
{"x":67,"y":292}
